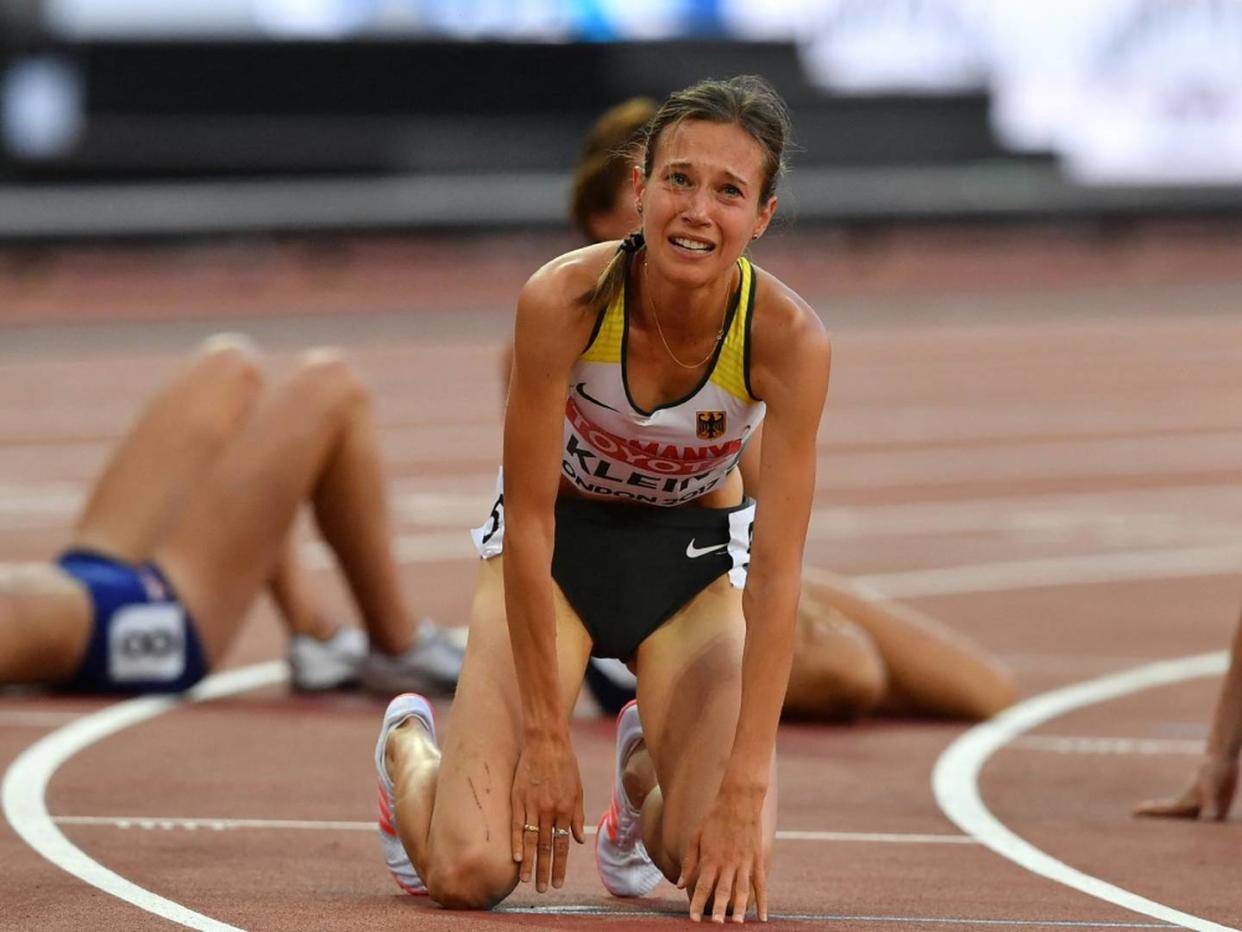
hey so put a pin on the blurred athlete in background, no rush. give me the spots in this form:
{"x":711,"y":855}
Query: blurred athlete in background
{"x":191,"y":519}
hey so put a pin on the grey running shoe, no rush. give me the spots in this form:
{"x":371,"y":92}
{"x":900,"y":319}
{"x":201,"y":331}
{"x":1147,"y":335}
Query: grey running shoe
{"x":316,"y":665}
{"x":431,"y":665}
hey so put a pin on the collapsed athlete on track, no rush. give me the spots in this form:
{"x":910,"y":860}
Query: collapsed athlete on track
{"x":1209,"y":795}
{"x":853,"y":653}
{"x":191,"y":519}
{"x":640,"y":371}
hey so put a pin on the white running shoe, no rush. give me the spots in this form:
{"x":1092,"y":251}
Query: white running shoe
{"x":623,"y":863}
{"x":400,"y":709}
{"x":317,"y":665}
{"x":432,"y":664}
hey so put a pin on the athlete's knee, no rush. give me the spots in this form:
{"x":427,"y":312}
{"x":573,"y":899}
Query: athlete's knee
{"x":230,"y":343}
{"x":837,"y":672}
{"x":223,"y":386}
{"x":478,"y":877}
{"x":330,"y":380}
{"x":231,"y":362}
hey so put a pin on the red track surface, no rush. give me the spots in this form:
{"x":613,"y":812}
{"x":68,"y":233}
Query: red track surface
{"x":1016,"y":402}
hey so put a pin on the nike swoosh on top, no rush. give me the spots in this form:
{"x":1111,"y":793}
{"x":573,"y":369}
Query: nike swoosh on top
{"x":595,"y":401}
{"x":694,"y":552}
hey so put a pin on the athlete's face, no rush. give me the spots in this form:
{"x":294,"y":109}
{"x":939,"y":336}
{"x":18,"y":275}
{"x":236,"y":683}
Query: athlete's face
{"x":701,"y":204}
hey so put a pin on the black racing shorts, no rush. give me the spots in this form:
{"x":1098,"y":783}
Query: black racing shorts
{"x":627,"y":569}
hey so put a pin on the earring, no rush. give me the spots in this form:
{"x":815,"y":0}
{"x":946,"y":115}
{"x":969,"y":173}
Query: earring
{"x":638,"y":206}
{"x":754,"y":236}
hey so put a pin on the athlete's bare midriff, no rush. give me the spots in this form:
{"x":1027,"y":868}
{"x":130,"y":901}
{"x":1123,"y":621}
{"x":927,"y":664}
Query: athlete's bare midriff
{"x":727,"y":495}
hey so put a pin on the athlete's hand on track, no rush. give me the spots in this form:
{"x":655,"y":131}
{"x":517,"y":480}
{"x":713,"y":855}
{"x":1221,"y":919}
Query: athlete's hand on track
{"x":547,"y":792}
{"x":724,"y":861}
{"x":1208,"y":796}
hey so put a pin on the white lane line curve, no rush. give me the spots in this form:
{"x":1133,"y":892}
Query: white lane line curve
{"x":955,"y":778}
{"x":25,"y":786}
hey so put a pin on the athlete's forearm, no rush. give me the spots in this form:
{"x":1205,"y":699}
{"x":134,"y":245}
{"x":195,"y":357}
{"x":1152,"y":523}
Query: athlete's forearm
{"x":531,"y":615}
{"x":1225,"y":737}
{"x":771,"y":616}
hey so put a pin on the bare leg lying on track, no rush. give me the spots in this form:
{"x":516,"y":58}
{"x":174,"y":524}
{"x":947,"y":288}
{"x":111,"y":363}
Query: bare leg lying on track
{"x":856,"y":655}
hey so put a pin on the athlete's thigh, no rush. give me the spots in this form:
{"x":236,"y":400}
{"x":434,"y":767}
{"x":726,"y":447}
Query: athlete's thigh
{"x":483,"y":734}
{"x":231,"y":534}
{"x":689,"y":689}
{"x":175,"y":440}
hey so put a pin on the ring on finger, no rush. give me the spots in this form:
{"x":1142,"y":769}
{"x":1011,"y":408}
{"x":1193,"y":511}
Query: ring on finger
{"x":530,"y":828}
{"x":560,"y":832}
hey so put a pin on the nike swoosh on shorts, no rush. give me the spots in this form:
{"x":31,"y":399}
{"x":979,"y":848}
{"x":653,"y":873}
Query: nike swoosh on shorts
{"x":694,"y":552}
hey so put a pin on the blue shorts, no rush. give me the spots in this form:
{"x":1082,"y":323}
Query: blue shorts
{"x":142,"y":640}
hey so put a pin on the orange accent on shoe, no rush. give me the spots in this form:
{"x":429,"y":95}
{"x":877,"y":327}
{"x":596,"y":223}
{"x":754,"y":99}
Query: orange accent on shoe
{"x":611,"y":816}
{"x":385,"y":814}
{"x":410,"y":890}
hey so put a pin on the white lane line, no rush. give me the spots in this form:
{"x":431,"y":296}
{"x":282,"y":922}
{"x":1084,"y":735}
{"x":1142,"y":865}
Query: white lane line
{"x":168,"y":823}
{"x":893,"y":838}
{"x":1098,"y":745}
{"x":955,"y":779}
{"x":680,"y":915}
{"x":1082,"y":570}
{"x":26,"y":780}
{"x":165,"y":823}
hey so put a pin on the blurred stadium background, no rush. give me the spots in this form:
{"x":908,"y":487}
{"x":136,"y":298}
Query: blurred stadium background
{"x":238,"y":162}
{"x":157,"y":118}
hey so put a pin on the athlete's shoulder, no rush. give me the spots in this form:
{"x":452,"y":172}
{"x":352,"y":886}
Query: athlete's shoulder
{"x":563,"y":281}
{"x":552,"y":314}
{"x":782,"y":316}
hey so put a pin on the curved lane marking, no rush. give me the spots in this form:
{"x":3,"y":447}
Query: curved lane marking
{"x":955,"y":778}
{"x":26,"y":780}
{"x":955,"y":781}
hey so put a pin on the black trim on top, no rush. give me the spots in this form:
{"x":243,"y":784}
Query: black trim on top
{"x":735,"y":301}
{"x":602,"y":312}
{"x":750,"y":322}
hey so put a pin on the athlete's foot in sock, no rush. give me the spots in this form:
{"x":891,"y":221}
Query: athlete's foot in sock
{"x":624,"y":865}
{"x":407,"y":735}
{"x":410,"y":736}
{"x":639,"y":776}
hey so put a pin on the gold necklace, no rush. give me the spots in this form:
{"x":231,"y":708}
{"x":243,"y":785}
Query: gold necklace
{"x":724,"y":313}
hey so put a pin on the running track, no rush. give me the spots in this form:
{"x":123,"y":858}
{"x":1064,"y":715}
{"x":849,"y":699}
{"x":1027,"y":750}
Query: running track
{"x":1040,"y":444}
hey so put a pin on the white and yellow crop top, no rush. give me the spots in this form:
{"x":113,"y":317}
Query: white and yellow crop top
{"x":680,"y":450}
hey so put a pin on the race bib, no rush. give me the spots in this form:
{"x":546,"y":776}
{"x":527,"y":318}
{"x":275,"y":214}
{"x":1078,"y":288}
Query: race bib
{"x":146,"y":643}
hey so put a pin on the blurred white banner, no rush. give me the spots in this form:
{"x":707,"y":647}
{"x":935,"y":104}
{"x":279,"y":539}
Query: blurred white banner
{"x":1122,"y":90}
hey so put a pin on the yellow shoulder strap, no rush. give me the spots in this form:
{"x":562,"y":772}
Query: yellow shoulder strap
{"x":730,"y":371}
{"x":606,"y":346}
